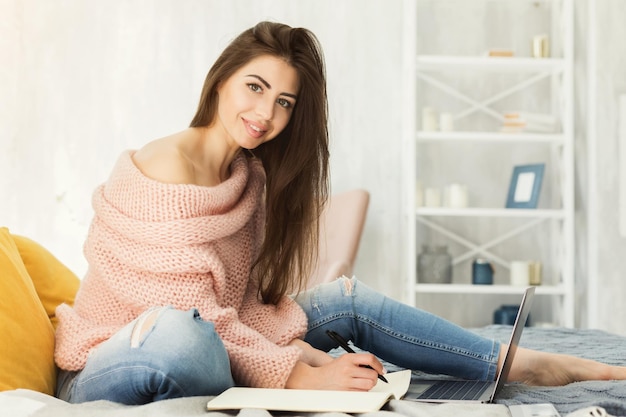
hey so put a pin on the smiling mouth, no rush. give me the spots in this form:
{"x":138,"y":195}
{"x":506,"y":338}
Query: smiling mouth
{"x":255,"y":130}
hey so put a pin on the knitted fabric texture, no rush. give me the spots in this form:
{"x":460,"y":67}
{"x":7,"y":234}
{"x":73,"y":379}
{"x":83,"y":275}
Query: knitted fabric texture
{"x":156,"y":244}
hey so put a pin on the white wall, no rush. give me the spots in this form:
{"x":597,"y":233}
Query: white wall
{"x":607,"y":274}
{"x":80,"y":81}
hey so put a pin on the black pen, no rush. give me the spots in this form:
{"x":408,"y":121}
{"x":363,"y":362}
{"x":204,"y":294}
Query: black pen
{"x":342,"y":342}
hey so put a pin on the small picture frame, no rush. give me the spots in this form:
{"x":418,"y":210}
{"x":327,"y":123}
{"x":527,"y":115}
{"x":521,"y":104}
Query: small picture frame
{"x":525,"y":186}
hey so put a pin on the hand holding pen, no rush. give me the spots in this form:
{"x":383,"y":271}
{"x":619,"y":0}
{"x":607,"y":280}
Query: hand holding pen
{"x":344,"y":345}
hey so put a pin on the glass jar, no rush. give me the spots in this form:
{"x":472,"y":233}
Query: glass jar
{"x":482,"y":272}
{"x":434,"y":265}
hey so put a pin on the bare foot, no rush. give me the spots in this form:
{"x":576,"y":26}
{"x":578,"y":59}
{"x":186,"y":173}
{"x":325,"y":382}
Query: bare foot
{"x":551,"y":369}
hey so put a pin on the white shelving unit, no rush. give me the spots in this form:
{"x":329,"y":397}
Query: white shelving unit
{"x":551,"y":223}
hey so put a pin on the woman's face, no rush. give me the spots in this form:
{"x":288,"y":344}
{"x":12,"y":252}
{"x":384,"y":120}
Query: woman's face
{"x":256,"y":102}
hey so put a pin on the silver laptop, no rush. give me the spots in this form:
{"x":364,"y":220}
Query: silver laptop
{"x":455,"y":390}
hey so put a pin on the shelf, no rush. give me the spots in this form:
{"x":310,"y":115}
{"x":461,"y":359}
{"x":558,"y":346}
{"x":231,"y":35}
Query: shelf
{"x":490,"y":212}
{"x":485,"y":289}
{"x":490,"y":137}
{"x":477,"y":91}
{"x":442,"y":63}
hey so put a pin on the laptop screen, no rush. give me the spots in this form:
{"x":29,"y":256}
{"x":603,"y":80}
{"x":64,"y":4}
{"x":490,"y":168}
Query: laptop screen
{"x":518,"y":327}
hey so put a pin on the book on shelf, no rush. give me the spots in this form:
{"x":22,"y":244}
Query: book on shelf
{"x":516,"y":121}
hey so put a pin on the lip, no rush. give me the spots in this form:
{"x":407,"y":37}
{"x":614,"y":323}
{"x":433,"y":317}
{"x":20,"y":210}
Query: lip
{"x":256,"y":130}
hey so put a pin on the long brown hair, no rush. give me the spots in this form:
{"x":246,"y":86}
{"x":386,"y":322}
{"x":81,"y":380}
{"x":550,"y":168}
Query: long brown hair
{"x":295,"y":162}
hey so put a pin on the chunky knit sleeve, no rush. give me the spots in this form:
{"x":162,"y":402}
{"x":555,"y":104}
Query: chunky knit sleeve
{"x":256,"y":360}
{"x":155,"y":244}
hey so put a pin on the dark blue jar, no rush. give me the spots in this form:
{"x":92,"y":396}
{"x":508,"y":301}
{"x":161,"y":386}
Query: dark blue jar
{"x":482,"y":272}
{"x":507,"y":314}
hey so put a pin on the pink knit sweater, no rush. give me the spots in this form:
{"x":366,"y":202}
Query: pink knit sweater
{"x":156,"y":244}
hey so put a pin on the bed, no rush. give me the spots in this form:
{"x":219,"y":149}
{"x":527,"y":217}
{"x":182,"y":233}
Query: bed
{"x":593,"y":344}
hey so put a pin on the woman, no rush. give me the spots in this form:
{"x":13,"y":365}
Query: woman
{"x":199,"y":237}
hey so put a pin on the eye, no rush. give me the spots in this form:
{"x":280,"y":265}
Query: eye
{"x":254,"y":87}
{"x":284,"y":103}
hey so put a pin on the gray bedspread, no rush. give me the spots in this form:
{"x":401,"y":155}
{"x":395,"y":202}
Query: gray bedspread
{"x":591,"y":344}
{"x":611,"y":395}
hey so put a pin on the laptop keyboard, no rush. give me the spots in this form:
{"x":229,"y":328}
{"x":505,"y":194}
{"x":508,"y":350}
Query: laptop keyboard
{"x":455,"y":390}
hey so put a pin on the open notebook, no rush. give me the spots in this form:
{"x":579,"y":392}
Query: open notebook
{"x":314,"y":400}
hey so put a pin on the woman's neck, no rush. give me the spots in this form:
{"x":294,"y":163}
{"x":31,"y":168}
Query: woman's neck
{"x":210,"y":153}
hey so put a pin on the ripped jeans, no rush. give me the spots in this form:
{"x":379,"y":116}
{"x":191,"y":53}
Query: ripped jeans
{"x":395,"y":332}
{"x":164,"y":353}
{"x":167,"y":353}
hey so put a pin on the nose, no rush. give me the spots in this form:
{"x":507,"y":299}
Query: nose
{"x":265,"y":109}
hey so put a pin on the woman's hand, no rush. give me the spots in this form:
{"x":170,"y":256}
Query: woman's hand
{"x":346,"y":372}
{"x":310,"y":355}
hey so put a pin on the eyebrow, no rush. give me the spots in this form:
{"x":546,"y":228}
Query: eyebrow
{"x":268,"y":86}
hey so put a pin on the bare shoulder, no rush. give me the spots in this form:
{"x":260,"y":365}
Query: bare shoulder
{"x":163,"y":161}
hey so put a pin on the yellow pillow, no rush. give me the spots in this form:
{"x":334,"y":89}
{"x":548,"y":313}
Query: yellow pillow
{"x":26,"y":334}
{"x":54,"y":282}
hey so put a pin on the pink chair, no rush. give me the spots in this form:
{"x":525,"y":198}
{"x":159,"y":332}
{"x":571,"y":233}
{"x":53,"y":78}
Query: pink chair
{"x":341,"y":227}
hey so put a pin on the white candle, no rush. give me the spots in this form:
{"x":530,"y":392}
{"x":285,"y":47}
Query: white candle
{"x":445,"y":122}
{"x":429,"y":119}
{"x":432,"y":197}
{"x":457,"y":196}
{"x":519,"y":273}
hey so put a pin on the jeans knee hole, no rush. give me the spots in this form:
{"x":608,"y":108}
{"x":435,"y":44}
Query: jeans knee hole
{"x":348,"y":285}
{"x":145,"y":323}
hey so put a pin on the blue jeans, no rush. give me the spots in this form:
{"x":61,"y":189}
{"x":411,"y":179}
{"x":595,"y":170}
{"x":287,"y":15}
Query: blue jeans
{"x":181,"y":355}
{"x":176,"y":355}
{"x":405,"y":336}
